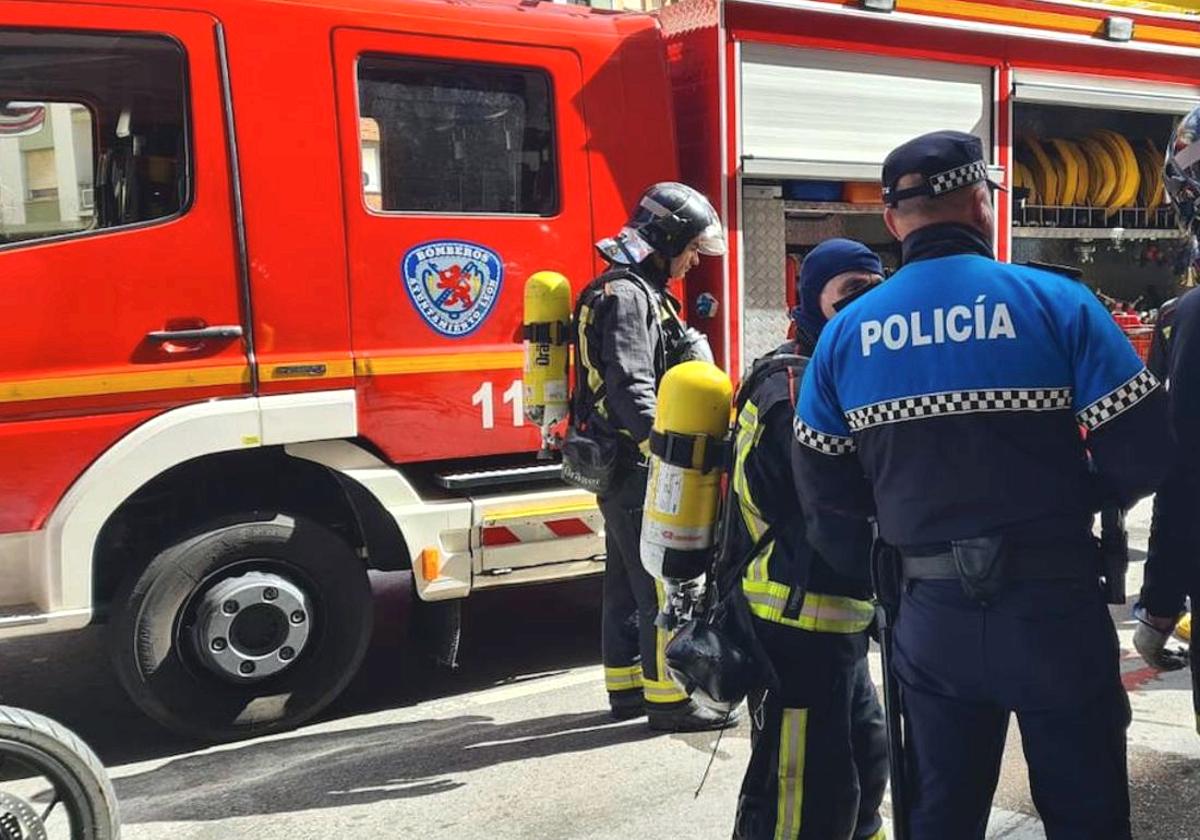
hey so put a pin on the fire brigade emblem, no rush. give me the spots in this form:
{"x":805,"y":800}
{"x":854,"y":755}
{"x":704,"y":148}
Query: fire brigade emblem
{"x":453,"y":284}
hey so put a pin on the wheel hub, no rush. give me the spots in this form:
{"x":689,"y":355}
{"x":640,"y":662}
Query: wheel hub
{"x":252,"y":626}
{"x":18,"y":820}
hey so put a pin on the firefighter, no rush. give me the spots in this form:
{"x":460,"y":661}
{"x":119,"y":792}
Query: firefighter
{"x":818,"y":763}
{"x":948,"y":404}
{"x":1172,"y":570}
{"x":629,"y":333}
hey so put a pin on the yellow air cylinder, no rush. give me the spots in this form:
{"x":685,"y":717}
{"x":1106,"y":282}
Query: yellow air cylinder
{"x":683,"y":495}
{"x":546,"y":331}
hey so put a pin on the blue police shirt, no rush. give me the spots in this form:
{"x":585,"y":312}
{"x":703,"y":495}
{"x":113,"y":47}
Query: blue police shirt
{"x":949,"y":402}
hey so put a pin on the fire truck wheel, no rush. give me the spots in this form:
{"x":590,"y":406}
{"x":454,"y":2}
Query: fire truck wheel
{"x":252,"y":625}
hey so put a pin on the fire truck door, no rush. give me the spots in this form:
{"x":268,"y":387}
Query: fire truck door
{"x":117,"y":249}
{"x":465,"y":172}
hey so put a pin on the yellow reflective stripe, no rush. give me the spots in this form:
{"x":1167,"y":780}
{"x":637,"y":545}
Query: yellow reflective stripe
{"x":819,"y":613}
{"x":743,"y":441}
{"x":759,"y":570}
{"x":494,"y":517}
{"x":662,"y":691}
{"x":878,"y":835}
{"x":754,"y":523}
{"x":793,"y":731}
{"x":1167,"y":35}
{"x":666,"y":309}
{"x":122,"y":382}
{"x":594,"y":378}
{"x":660,"y":634}
{"x":623,"y":679}
{"x":616,"y":686}
{"x":1060,"y":21}
{"x":748,"y":433}
{"x":439,"y":362}
{"x":624,"y":671}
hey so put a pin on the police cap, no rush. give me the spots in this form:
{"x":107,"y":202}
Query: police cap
{"x":948,"y":160}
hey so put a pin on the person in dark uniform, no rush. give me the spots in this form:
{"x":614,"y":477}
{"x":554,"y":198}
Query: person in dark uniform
{"x":1172,"y":570}
{"x":629,"y":333}
{"x":818,"y":763}
{"x":948,"y":405}
{"x":1164,"y":324}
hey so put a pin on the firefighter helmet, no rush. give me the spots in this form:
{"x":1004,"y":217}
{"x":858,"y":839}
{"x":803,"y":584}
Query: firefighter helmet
{"x":1182,"y":172}
{"x":709,"y":664}
{"x":667,"y":218}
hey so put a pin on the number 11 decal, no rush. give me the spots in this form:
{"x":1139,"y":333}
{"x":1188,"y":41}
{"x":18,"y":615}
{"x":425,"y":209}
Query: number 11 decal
{"x":486,"y":401}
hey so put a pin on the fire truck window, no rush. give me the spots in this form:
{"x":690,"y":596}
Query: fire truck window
{"x":442,"y":137}
{"x":92,"y":132}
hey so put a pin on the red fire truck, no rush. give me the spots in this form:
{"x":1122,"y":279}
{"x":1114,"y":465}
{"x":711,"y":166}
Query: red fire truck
{"x":263,"y":262}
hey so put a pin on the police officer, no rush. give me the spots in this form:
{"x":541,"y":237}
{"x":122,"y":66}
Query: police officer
{"x":818,"y":765}
{"x":1172,"y":570}
{"x":629,"y":333}
{"x":948,"y":404}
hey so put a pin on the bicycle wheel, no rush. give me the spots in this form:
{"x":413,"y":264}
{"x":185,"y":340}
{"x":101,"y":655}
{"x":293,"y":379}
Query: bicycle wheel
{"x":51,"y":783}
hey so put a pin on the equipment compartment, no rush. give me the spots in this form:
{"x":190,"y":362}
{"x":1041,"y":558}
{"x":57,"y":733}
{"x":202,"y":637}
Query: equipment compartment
{"x":1087,"y":190}
{"x":779,"y":231}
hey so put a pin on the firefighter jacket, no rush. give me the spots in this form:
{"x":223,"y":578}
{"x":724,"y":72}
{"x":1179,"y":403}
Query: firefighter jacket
{"x":1160,"y":342}
{"x":949,"y":402}
{"x":622,"y":354}
{"x":785,"y":580}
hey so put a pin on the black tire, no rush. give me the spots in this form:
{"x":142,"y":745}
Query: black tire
{"x":160,"y":669}
{"x":59,"y":754}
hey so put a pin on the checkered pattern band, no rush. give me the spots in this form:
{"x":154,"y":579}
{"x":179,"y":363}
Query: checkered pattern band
{"x":959,"y":402}
{"x":826,"y":444}
{"x":1118,"y":401}
{"x":961,"y":176}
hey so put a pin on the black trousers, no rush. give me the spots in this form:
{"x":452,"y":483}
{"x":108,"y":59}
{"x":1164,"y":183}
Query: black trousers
{"x":818,"y":762}
{"x":633,"y":647}
{"x":1044,"y":650}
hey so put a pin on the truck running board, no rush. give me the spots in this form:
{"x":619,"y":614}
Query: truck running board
{"x":493,"y":478}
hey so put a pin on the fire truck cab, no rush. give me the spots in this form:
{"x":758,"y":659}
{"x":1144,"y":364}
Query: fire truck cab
{"x":263,"y":268}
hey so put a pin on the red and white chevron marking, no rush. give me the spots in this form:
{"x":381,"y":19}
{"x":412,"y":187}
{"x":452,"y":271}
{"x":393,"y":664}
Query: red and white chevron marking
{"x":495,"y":536}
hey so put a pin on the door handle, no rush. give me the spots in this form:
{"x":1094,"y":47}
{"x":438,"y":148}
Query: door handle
{"x":197,"y":334}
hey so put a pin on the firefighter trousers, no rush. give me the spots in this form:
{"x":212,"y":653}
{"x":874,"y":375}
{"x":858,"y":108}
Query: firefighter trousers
{"x":818,"y":761}
{"x":633,"y":646}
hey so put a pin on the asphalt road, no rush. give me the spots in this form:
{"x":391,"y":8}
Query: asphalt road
{"x":515,"y":744}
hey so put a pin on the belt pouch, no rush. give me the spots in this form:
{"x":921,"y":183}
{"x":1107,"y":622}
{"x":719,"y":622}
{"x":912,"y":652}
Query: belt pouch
{"x":980,"y":564}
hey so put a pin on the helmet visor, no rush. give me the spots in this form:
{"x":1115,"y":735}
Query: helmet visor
{"x":711,"y":241}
